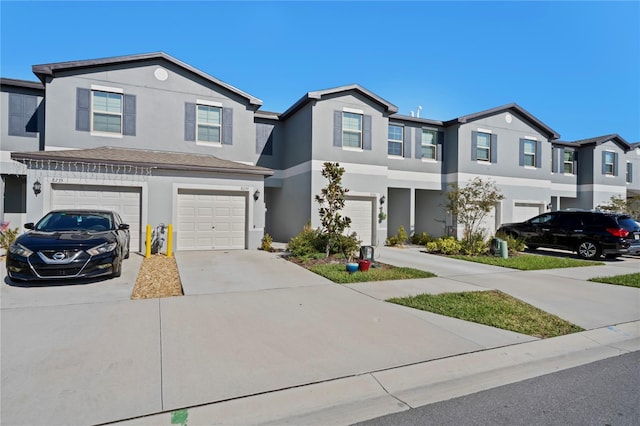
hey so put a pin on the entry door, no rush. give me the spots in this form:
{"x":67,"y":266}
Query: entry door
{"x":210,"y":220}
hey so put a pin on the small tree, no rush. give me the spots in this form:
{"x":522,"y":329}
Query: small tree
{"x":617,"y":204}
{"x":332,"y":200}
{"x":471,"y":204}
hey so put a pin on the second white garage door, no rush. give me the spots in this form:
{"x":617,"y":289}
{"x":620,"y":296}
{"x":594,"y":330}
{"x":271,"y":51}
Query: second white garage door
{"x":360,"y":210}
{"x":211,"y":220}
{"x":122,"y":199}
{"x":524,"y":211}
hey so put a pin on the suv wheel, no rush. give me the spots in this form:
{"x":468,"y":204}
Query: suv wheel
{"x":588,"y":250}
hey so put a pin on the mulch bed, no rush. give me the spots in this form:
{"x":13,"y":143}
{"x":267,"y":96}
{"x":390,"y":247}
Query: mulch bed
{"x":158,"y":277}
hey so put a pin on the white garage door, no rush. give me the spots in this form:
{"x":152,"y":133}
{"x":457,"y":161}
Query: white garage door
{"x":211,"y":220}
{"x":360,"y":210}
{"x":123,"y":199}
{"x":524,"y":211}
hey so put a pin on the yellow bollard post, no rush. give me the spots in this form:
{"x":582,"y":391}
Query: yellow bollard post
{"x":147,"y":250}
{"x":169,"y":240}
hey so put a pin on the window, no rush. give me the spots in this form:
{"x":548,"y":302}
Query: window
{"x":351,"y":130}
{"x":609,"y":163}
{"x":209,"y":123}
{"x":429,"y":139}
{"x":483,"y":146}
{"x":394,"y":144}
{"x":106,"y":112}
{"x":569,"y":157}
{"x":529,"y":152}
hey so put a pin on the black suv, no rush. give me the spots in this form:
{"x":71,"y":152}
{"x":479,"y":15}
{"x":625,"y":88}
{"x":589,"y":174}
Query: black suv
{"x":589,"y":233}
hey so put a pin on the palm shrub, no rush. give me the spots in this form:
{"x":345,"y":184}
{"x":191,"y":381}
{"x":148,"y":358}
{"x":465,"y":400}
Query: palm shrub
{"x":7,"y":237}
{"x":266,"y":242}
{"x":399,"y":239}
{"x":514,"y":244}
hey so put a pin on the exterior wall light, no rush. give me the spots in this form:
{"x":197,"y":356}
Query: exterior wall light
{"x":256,"y":195}
{"x":382,"y":200}
{"x":37,"y":187}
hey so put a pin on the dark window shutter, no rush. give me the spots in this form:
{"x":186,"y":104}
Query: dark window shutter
{"x":494,"y":148}
{"x":418,"y":143}
{"x":604,"y":165}
{"x":556,"y":153}
{"x":227,"y":126}
{"x":630,"y":172}
{"x":440,"y":146}
{"x":129,"y":122}
{"x":31,"y":115}
{"x":337,"y":128}
{"x":189,"y":121}
{"x":83,"y":110}
{"x":575,"y":162}
{"x":366,"y":132}
{"x":16,"y":114}
{"x":521,"y":152}
{"x":406,"y":143}
{"x":474,"y":146}
{"x":538,"y":154}
{"x":264,"y":139}
{"x":615,"y":164}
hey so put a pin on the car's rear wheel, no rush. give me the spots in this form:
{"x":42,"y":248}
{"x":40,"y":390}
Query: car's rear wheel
{"x":588,"y":250}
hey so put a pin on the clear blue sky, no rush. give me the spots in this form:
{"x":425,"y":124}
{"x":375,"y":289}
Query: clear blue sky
{"x":574,"y":65}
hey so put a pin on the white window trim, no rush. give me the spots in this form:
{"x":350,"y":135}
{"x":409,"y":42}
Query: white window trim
{"x":395,"y":157}
{"x":488,"y":148}
{"x":211,"y":104}
{"x":361,"y":132}
{"x":573,"y":172}
{"x":106,"y":89}
{"x":484,"y":131}
{"x":353,"y":110}
{"x":434,"y":144}
{"x":533,"y":154}
{"x":613,"y":164}
{"x":400,"y":141}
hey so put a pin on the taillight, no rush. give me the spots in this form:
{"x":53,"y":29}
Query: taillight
{"x":618,"y":232}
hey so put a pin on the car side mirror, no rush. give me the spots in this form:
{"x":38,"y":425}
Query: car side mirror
{"x":123,"y":226}
{"x":29,"y":225}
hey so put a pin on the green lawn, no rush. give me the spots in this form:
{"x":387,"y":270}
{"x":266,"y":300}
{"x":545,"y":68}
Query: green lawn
{"x":336,"y":272}
{"x":529,"y":262}
{"x":630,"y":280}
{"x":492,"y":308}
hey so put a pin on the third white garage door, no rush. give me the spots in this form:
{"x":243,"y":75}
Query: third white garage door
{"x":360,"y":210}
{"x":524,"y":211}
{"x":211,"y":220}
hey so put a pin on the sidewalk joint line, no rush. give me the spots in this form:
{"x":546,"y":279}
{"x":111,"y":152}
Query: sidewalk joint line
{"x":389,"y":393}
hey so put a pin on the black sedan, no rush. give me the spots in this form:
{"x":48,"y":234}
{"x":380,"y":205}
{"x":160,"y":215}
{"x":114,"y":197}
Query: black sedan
{"x":70,"y":244}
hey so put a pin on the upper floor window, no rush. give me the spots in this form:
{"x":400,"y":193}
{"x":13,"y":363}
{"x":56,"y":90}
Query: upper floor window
{"x":209,"y":123}
{"x":483,"y":146}
{"x":568,"y":161}
{"x":529,"y":152}
{"x":106,"y":112}
{"x":351,"y":130}
{"x":428,"y":144}
{"x":394,"y":144}
{"x":609,"y":163}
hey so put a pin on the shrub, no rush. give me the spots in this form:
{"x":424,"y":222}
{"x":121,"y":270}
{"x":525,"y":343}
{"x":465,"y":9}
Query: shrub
{"x":420,"y":239}
{"x":399,"y":239}
{"x":475,"y":245}
{"x":306,"y":244}
{"x":8,"y":237}
{"x":444,"y":245}
{"x":266,"y":243}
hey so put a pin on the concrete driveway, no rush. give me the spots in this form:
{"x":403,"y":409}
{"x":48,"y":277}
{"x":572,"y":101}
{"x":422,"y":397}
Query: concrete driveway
{"x":250,"y":323}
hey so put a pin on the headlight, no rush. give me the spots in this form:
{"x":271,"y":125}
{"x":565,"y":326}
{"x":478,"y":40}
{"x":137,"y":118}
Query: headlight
{"x":102,"y":248}
{"x":20,"y":250}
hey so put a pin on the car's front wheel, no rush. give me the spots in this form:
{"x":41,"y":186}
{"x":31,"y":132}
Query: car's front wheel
{"x":588,"y":250}
{"x":117,"y":269}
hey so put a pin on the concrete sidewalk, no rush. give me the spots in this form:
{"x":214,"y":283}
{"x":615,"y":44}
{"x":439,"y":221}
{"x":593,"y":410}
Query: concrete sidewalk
{"x":285,"y":346}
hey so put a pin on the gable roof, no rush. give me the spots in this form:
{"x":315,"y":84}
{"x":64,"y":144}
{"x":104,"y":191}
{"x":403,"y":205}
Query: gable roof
{"x":49,"y":70}
{"x":11,"y":82}
{"x":318,"y":94}
{"x":598,"y":140}
{"x":144,"y":158}
{"x":513,"y":107}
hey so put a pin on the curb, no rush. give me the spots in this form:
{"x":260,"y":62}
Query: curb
{"x":352,"y":399}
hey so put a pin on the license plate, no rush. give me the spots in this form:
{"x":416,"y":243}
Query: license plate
{"x":636,"y":236}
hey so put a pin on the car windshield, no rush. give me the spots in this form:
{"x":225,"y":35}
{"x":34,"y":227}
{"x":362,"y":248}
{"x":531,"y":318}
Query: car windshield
{"x":75,"y":221}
